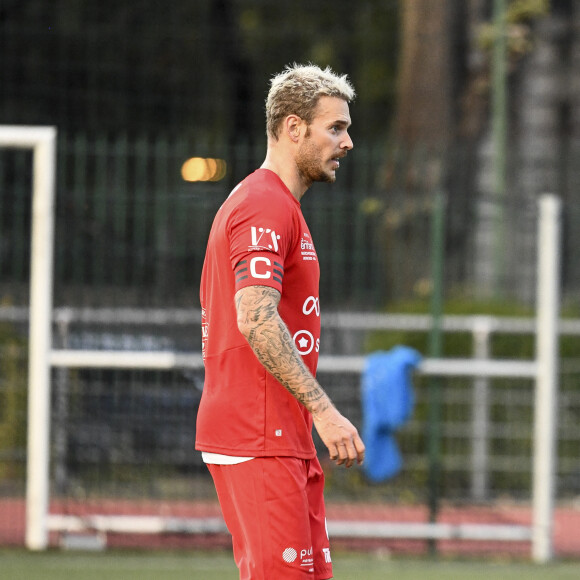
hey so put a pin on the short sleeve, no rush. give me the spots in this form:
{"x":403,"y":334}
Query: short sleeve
{"x":260,"y":238}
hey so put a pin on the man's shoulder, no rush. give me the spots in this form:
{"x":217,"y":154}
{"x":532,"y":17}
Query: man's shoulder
{"x":262,"y":192}
{"x":263,"y":182}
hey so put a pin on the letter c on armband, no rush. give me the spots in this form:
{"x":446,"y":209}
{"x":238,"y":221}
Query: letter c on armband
{"x":253,"y":270}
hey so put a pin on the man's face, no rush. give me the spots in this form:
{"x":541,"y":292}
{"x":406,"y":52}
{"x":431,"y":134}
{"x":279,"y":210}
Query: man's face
{"x":325,"y":141}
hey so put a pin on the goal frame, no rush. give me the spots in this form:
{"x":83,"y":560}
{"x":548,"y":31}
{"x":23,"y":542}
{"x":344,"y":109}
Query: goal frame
{"x":42,"y":142}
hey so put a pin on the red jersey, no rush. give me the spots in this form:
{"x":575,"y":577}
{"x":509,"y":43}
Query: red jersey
{"x":259,"y":238}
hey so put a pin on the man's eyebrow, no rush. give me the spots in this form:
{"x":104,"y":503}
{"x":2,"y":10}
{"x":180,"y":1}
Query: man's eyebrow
{"x":341,"y":122}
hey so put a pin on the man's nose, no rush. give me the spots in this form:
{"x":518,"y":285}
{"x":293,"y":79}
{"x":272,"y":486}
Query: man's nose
{"x":347,"y":143}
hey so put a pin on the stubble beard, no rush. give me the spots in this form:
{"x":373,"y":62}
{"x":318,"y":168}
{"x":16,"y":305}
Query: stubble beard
{"x":310,"y":164}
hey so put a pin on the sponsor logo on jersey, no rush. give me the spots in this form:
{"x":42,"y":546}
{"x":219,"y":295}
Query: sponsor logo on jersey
{"x":311,"y":304}
{"x":263,"y":238}
{"x":326,"y":552}
{"x":307,"y":248}
{"x":290,"y":555}
{"x":305,"y":342}
{"x":306,"y":558}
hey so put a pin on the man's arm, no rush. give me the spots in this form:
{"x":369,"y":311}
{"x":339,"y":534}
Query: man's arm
{"x":259,"y":321}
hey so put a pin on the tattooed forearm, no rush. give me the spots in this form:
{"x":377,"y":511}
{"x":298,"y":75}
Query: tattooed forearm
{"x":270,"y":339}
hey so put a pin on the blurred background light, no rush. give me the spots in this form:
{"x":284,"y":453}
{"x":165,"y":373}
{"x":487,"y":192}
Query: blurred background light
{"x":203,"y":169}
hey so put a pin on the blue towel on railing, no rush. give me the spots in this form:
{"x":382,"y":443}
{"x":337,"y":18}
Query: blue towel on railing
{"x":387,"y":403}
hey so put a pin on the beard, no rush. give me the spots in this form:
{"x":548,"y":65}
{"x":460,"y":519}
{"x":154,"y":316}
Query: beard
{"x":310,"y":163}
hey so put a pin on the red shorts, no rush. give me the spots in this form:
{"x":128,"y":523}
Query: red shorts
{"x":274,"y":509}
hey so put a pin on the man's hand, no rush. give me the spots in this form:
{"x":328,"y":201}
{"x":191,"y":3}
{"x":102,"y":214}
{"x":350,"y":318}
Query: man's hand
{"x":340,"y":437}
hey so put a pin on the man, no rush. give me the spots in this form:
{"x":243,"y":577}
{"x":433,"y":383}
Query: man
{"x":261,"y":337}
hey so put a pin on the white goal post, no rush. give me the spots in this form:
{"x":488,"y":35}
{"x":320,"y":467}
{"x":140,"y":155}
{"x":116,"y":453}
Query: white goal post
{"x":544,"y":370}
{"x":42,"y":142}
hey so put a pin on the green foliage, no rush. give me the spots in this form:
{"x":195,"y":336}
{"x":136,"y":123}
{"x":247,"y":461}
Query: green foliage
{"x":456,"y":344}
{"x":525,"y":10}
{"x":519,"y":17}
{"x":460,"y":344}
{"x":12,"y":401}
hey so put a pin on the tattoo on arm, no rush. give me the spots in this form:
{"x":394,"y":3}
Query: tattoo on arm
{"x":270,"y":339}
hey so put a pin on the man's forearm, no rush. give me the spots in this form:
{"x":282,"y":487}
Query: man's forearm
{"x":270,"y":339}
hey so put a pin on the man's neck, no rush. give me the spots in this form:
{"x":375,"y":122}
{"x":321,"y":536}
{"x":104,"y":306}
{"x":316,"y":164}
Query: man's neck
{"x":287,"y":172}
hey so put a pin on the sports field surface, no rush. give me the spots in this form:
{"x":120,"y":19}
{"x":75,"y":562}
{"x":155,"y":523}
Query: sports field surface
{"x":122,"y":565}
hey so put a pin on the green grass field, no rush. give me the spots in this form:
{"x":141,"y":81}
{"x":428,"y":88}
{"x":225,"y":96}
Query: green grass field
{"x":121,"y":565}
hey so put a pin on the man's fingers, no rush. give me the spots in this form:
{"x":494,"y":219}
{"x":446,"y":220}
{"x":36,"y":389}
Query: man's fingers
{"x":356,"y":451}
{"x":348,"y":452}
{"x":360,"y":449}
{"x":338,"y":453}
{"x":353,"y":450}
{"x":333,"y":452}
{"x":344,"y":455}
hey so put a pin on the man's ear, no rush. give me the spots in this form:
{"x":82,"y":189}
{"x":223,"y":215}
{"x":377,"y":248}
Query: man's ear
{"x":293,"y":126}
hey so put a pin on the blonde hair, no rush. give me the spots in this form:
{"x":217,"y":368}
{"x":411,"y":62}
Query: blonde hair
{"x":296,"y":91}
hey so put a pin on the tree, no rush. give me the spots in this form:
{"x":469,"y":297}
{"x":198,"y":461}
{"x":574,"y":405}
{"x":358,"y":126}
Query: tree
{"x":431,"y":75}
{"x":425,"y":75}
